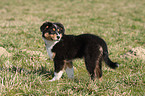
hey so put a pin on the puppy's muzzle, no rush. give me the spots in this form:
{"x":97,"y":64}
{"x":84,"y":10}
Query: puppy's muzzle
{"x":55,"y":37}
{"x":58,"y":37}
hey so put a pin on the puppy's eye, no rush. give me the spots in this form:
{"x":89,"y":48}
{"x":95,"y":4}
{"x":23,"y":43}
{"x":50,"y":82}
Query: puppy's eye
{"x":58,"y":30}
{"x":53,"y":29}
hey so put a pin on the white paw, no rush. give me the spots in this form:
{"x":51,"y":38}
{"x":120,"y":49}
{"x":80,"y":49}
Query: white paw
{"x":52,"y":80}
{"x":57,"y":76}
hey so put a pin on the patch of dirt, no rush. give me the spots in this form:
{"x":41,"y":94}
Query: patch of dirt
{"x":137,"y":52}
{"x":3,"y":52}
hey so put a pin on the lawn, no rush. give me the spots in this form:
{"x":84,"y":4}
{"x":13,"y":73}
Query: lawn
{"x":24,"y":65}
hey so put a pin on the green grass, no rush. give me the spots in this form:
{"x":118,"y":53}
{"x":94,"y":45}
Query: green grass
{"x":119,"y":22}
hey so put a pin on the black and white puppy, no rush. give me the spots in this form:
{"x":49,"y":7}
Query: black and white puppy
{"x":64,"y":48}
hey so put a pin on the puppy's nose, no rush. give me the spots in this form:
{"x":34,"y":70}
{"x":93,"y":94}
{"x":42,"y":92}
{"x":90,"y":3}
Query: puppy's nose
{"x":58,"y":37}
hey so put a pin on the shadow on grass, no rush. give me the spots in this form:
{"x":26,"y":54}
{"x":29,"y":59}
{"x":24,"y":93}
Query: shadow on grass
{"x":40,"y":71}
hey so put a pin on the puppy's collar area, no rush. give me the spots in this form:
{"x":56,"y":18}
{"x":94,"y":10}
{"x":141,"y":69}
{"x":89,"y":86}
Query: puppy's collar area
{"x":50,"y":42}
{"x":49,"y":45}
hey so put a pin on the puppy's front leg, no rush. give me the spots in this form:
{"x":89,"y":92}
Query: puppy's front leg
{"x":59,"y":66}
{"x":57,"y":76}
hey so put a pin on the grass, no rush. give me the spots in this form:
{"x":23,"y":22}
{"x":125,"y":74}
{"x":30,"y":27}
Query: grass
{"x":119,"y":23}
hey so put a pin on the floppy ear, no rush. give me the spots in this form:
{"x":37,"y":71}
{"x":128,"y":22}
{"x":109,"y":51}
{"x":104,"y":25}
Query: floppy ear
{"x":61,"y":27}
{"x":45,"y":25}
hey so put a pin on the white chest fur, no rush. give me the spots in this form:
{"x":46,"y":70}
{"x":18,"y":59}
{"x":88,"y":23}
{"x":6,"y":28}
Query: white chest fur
{"x":49,"y":45}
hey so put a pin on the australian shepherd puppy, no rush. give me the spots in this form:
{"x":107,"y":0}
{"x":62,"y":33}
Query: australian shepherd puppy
{"x":64,"y":48}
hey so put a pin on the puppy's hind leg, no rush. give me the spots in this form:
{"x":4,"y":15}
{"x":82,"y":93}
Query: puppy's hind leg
{"x":93,"y":60}
{"x":95,"y":69}
{"x":98,"y":69}
{"x":69,"y":69}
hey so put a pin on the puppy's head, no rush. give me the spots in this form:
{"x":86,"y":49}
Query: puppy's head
{"x":52,"y":31}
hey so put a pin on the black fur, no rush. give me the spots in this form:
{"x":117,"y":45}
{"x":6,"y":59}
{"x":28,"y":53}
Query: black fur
{"x":90,"y":47}
{"x":85,"y":45}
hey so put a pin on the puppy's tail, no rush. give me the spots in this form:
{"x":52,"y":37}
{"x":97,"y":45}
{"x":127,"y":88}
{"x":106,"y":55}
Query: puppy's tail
{"x":107,"y":60}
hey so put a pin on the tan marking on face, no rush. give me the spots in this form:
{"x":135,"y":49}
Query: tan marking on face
{"x":47,"y":26}
{"x":58,"y":30}
{"x":50,"y":36}
{"x":60,"y":35}
{"x":47,"y":36}
{"x":53,"y":29}
{"x":53,"y":36}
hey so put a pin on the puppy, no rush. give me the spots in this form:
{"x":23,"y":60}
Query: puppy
{"x":64,"y":48}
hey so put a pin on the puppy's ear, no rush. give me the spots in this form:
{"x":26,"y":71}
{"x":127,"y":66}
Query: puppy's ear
{"x":45,"y":26}
{"x":61,"y":27}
